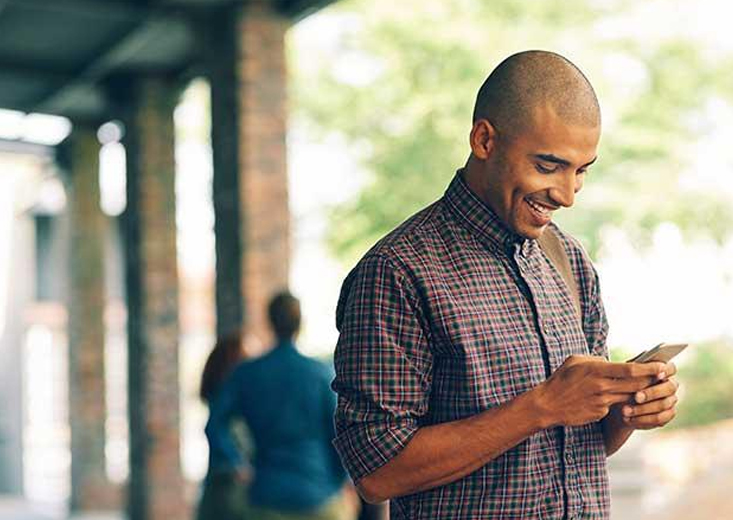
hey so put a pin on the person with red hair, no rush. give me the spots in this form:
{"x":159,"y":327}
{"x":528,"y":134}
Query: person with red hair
{"x":224,"y":489}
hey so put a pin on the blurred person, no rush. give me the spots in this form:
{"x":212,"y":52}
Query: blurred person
{"x":224,"y":489}
{"x":471,"y":367}
{"x":286,"y":401}
{"x":373,"y":511}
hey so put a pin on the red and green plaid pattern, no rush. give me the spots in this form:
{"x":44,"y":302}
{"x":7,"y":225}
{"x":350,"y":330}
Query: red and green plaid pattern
{"x":447,"y":316}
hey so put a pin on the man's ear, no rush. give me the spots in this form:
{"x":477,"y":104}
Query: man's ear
{"x":483,"y":139}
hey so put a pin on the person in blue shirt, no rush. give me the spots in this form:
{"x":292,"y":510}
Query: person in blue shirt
{"x":286,"y":401}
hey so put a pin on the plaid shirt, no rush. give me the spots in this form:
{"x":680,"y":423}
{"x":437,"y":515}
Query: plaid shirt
{"x":447,"y":316}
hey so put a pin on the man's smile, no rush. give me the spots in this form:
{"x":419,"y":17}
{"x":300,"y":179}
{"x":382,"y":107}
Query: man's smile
{"x":542,"y":213}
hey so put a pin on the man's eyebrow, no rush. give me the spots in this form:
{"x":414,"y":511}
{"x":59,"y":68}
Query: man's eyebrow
{"x":548,"y":157}
{"x":591,"y":162}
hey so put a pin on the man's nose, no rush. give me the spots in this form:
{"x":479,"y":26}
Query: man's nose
{"x":563,"y":193}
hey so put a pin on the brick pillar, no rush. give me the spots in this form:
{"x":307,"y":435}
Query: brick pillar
{"x":248,"y":82}
{"x":156,"y":485}
{"x":90,"y":489}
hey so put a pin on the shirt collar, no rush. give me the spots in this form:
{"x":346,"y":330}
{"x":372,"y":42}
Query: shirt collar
{"x":285,"y":344}
{"x":481,"y":219}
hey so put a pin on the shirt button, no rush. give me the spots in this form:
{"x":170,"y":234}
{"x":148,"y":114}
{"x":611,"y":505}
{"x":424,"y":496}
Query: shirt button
{"x":569,"y":458}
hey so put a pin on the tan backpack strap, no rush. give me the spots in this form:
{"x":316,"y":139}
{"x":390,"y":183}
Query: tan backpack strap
{"x":550,"y":243}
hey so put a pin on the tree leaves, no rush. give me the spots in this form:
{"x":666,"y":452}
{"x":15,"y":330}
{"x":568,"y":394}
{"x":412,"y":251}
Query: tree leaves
{"x":410,"y":121}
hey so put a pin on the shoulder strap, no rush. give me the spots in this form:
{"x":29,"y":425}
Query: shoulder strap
{"x":550,"y":244}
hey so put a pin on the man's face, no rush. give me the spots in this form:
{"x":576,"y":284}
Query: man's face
{"x":532,"y":175}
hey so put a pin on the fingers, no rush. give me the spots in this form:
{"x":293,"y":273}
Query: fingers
{"x":612,"y":399}
{"x":649,"y":421}
{"x":651,"y":408}
{"x":631,"y":370}
{"x":600,"y":366}
{"x":645,"y":389}
{"x":659,"y":406}
{"x":670,"y":369}
{"x":629,"y":386}
{"x":657,"y":391}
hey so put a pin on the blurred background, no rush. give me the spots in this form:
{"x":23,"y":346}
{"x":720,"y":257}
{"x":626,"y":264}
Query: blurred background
{"x":165,"y":166}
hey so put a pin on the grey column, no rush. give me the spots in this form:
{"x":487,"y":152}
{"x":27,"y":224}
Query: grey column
{"x":219,"y":32}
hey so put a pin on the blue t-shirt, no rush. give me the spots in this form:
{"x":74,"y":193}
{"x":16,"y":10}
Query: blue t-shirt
{"x":286,"y":400}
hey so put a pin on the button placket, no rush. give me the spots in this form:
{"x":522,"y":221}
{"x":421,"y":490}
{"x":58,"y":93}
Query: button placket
{"x":528,"y":270}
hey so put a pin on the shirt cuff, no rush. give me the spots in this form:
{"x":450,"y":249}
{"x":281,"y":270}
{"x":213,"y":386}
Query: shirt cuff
{"x":364,"y":448}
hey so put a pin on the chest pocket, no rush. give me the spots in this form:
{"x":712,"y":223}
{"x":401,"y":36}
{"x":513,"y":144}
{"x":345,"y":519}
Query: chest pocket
{"x":485,"y":345}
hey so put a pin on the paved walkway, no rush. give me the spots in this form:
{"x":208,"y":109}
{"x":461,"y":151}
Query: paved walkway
{"x":695,"y":469}
{"x":683,"y":475}
{"x":12,"y":508}
{"x":16,"y":509}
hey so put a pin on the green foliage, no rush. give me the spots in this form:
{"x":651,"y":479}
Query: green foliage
{"x":706,"y":385}
{"x":621,"y":354}
{"x":409,"y":124}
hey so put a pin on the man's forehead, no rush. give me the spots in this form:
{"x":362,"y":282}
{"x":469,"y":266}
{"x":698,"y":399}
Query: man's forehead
{"x":549,"y":134}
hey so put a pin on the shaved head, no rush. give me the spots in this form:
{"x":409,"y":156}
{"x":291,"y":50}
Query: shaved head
{"x":529,"y":80}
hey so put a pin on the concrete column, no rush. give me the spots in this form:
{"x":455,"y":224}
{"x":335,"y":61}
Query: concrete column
{"x":248,"y":83}
{"x":156,"y":485}
{"x":90,"y":489}
{"x":20,"y":254}
{"x":219,"y":33}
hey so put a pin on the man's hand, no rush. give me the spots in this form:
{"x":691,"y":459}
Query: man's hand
{"x":654,"y":406}
{"x":584,"y":389}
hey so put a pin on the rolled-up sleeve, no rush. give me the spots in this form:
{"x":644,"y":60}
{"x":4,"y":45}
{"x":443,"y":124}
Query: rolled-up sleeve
{"x":383,"y":366}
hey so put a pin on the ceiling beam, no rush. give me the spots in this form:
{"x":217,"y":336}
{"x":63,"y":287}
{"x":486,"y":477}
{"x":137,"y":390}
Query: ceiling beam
{"x":144,"y":18}
{"x":296,"y":10}
{"x":61,"y":91}
{"x":112,"y":59}
{"x":114,"y":9}
{"x":3,"y":5}
{"x":34,"y":69}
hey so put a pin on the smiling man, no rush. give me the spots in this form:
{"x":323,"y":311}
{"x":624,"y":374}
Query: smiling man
{"x":470,"y":385}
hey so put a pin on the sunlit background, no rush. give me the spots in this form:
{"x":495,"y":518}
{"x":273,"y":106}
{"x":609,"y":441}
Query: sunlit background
{"x":357,"y":104}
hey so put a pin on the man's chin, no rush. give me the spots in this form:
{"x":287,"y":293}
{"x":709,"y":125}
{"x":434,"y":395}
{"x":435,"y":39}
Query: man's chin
{"x":531,"y":232}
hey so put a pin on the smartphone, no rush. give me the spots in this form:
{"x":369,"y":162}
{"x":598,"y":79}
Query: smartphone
{"x":663,"y":352}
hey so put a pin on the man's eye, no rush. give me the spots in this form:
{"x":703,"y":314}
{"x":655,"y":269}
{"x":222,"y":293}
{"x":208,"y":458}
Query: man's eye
{"x":544,"y":169}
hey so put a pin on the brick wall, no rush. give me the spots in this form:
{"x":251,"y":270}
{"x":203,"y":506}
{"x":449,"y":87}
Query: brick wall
{"x":90,"y":489}
{"x":247,"y":71}
{"x":156,"y":485}
{"x":263,"y":169}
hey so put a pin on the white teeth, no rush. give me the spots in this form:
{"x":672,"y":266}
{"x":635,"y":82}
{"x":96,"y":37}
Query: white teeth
{"x":539,"y":208}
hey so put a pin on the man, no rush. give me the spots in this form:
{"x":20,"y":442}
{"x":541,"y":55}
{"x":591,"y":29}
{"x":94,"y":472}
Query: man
{"x":469,"y":386}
